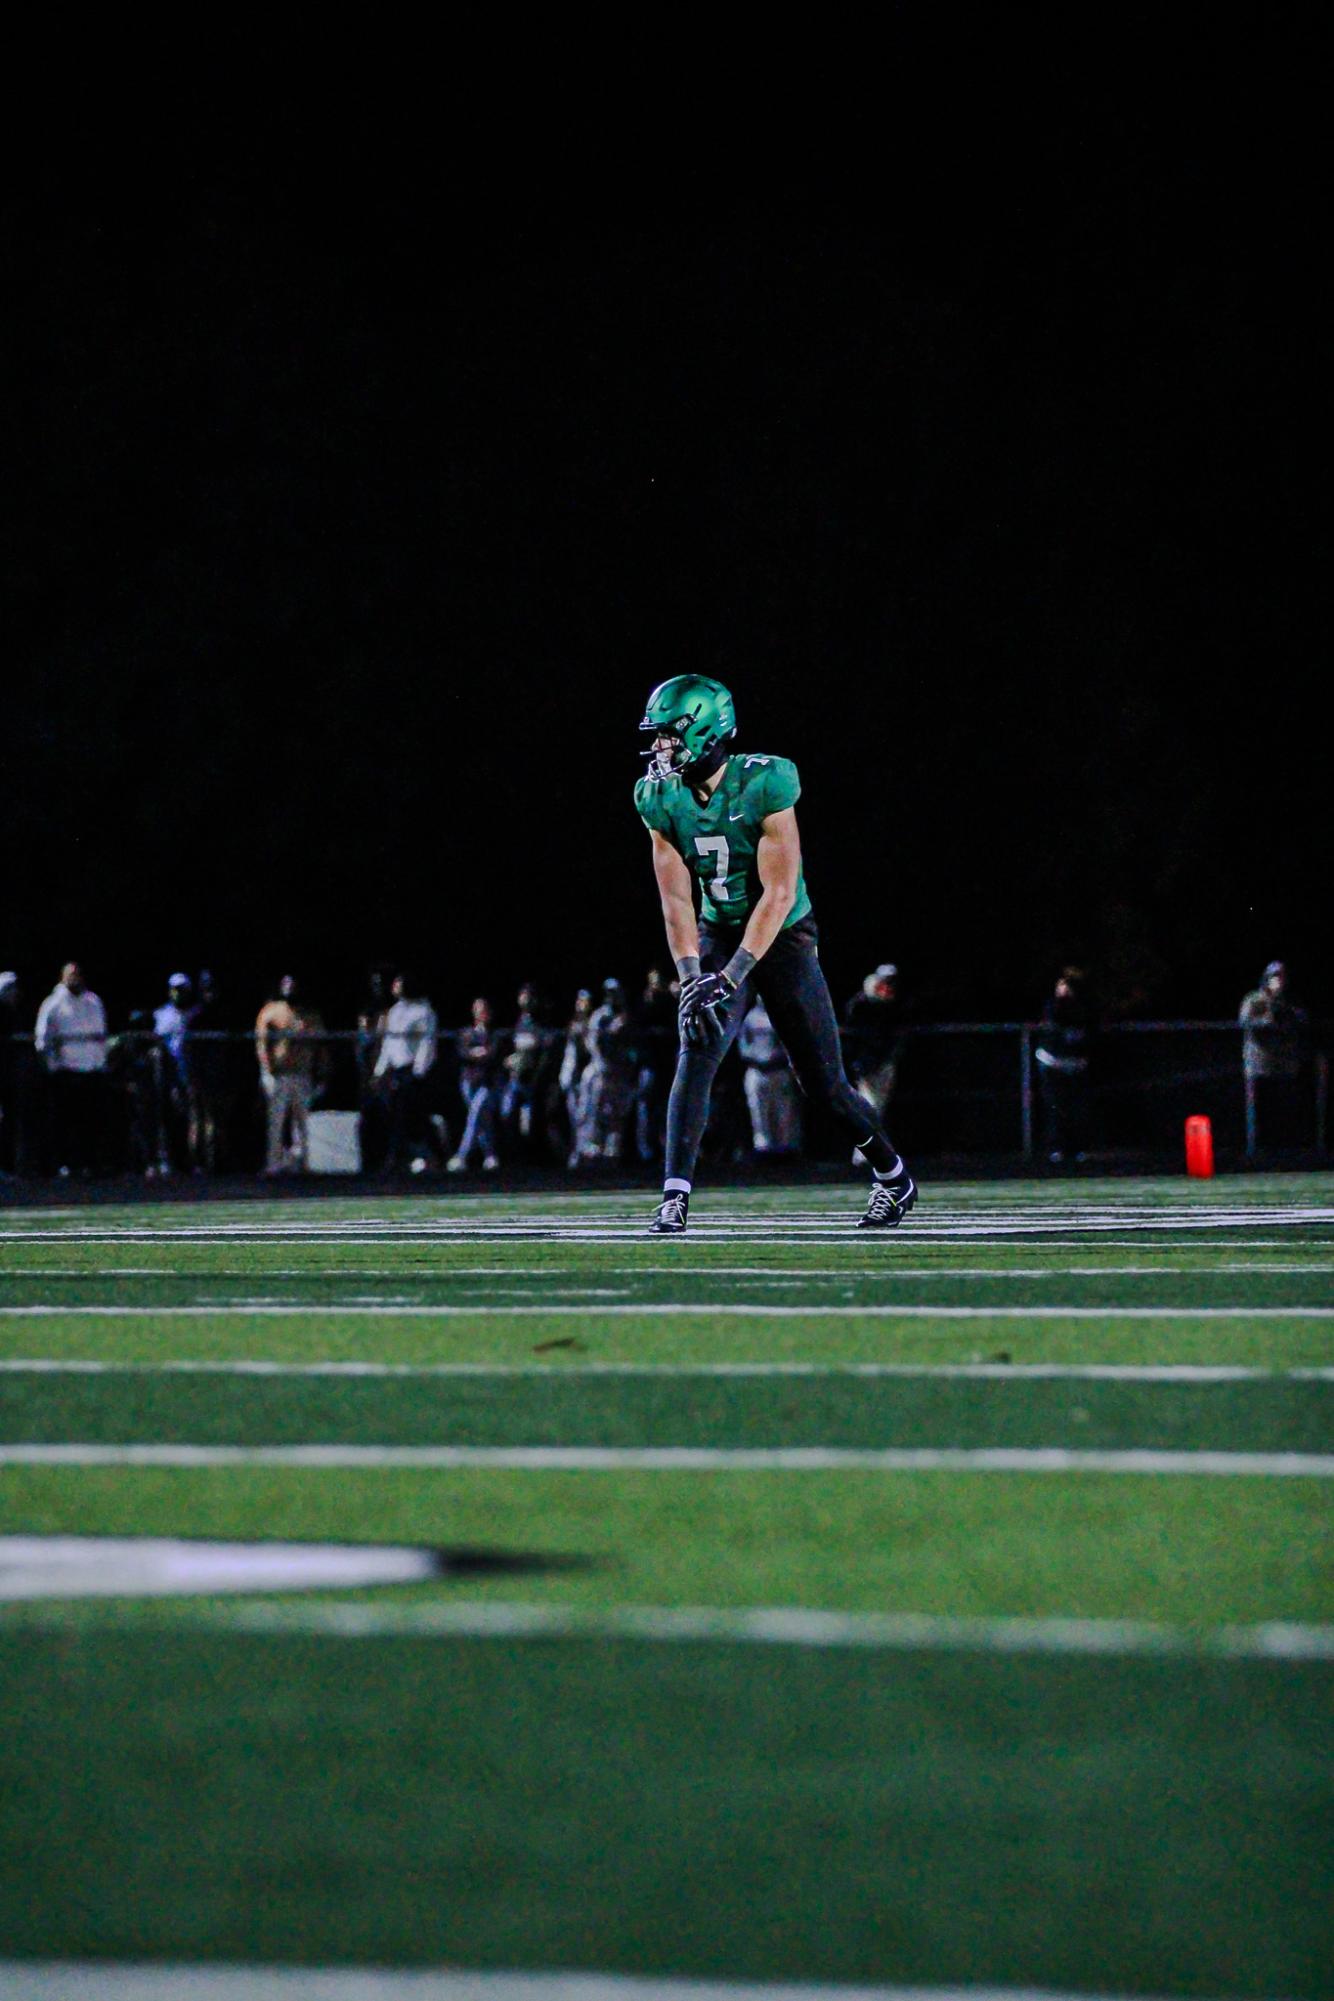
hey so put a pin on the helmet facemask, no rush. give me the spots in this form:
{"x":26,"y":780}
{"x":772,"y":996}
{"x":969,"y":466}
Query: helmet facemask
{"x":669,"y":756}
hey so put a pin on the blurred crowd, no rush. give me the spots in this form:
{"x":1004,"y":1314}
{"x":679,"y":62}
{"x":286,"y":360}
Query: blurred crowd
{"x":185,"y":1088}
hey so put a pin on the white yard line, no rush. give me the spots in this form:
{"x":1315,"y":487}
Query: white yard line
{"x":783,"y":1626}
{"x":831,"y":1224}
{"x":654,"y":1310}
{"x":769,"y":1274}
{"x":105,"y":1980}
{"x":686,"y":1459}
{"x":1120,"y":1372}
{"x":798,"y":1626}
{"x":850,"y":1240}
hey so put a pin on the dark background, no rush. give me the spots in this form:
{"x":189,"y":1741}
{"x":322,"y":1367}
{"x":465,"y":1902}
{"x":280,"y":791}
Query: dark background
{"x":371,"y":459}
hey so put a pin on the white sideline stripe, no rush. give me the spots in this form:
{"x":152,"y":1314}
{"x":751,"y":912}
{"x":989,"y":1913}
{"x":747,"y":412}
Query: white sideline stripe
{"x":832,"y":1225}
{"x":102,"y":1980}
{"x":1111,"y":1372}
{"x":657,"y":1310}
{"x":687,"y":1459}
{"x":794,"y":1626}
{"x":771,"y":1274}
{"x":783,"y":1626}
{"x":633,"y":1208}
{"x":347,"y":1241}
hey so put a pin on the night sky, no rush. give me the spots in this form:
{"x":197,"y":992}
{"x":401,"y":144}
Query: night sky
{"x":366,"y":474}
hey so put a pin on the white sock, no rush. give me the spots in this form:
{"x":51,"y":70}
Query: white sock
{"x":676,"y":1186}
{"x":889,"y":1173}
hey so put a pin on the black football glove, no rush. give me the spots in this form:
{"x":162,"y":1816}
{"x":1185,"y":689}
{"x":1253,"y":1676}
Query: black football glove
{"x":702,"y":1012}
{"x":693,"y":1031}
{"x":706,"y":990}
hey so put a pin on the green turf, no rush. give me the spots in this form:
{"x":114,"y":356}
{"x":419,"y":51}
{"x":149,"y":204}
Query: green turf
{"x":566,"y":1342}
{"x":1195,"y":1552}
{"x":1128,"y":1826}
{"x":170,"y":1789}
{"x":1085,"y":1283}
{"x":564,"y":1407}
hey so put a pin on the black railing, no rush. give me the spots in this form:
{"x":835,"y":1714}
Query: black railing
{"x":960,"y":1088}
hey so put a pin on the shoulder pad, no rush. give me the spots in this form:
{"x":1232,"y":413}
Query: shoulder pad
{"x":772,"y":782}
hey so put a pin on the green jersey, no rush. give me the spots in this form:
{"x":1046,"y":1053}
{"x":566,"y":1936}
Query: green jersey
{"x":719,"y":841}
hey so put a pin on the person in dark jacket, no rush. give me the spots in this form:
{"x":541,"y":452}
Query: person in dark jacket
{"x":655,"y":1049}
{"x":609,"y":1081}
{"x":1275,"y":1049}
{"x":871,"y":1024}
{"x":1061,"y":1053}
{"x":478,"y":1049}
{"x":18,"y":1081}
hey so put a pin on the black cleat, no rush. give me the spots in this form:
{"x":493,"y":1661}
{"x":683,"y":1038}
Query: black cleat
{"x":888,"y":1203}
{"x":670,"y":1220}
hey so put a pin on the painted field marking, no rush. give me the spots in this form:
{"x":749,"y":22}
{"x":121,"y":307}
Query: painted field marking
{"x":770,"y":1274}
{"x":157,"y":1566}
{"x":801,"y":1626}
{"x":653,"y":1310}
{"x":686,"y":1459}
{"x":1051,"y":1243}
{"x":833,"y":1225}
{"x":1119,"y":1372}
{"x":105,"y":1980}
{"x":782,"y":1626}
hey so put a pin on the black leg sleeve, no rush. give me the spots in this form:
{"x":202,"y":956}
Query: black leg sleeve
{"x":692,"y":1086}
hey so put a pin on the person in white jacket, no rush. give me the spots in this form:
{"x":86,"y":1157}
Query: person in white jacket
{"x":70,"y":1039}
{"x":409,"y":1036}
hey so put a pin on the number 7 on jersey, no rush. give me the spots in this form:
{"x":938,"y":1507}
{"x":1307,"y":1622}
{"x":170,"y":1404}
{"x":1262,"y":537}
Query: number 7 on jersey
{"x":716,"y":845}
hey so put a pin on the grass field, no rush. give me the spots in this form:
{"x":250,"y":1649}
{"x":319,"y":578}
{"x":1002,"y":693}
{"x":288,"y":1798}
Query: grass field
{"x":950,"y":1608}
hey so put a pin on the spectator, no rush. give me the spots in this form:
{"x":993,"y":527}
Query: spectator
{"x":772,"y":1097}
{"x":292,"y":1065}
{"x":872,"y":1020}
{"x":1274,"y":1050}
{"x":18,"y":1080}
{"x":172,"y":1023}
{"x":1061,"y":1052}
{"x":608,"y":1085}
{"x":213,"y":1078}
{"x":574,"y":1062}
{"x":523,"y":1065}
{"x":372,"y":1101}
{"x":655,"y":1050}
{"x":478,"y":1055}
{"x":406,"y":1059}
{"x":137,"y":1061}
{"x":71,"y":1041}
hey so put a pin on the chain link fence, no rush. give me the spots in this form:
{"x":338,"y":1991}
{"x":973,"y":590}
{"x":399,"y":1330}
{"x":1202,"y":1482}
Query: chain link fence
{"x":961,"y":1089}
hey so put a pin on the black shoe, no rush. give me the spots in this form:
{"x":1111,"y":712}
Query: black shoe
{"x":888,"y":1203}
{"x":670,"y":1220}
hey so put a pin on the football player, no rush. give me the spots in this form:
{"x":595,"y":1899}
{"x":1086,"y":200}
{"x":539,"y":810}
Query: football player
{"x":728,"y":823}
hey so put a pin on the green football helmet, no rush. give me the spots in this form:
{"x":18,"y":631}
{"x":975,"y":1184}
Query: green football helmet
{"x":691,"y":720}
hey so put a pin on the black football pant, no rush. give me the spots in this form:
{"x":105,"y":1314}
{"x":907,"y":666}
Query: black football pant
{"x":790,"y":981}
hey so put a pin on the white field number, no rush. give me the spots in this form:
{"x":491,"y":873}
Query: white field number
{"x":716,"y":845}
